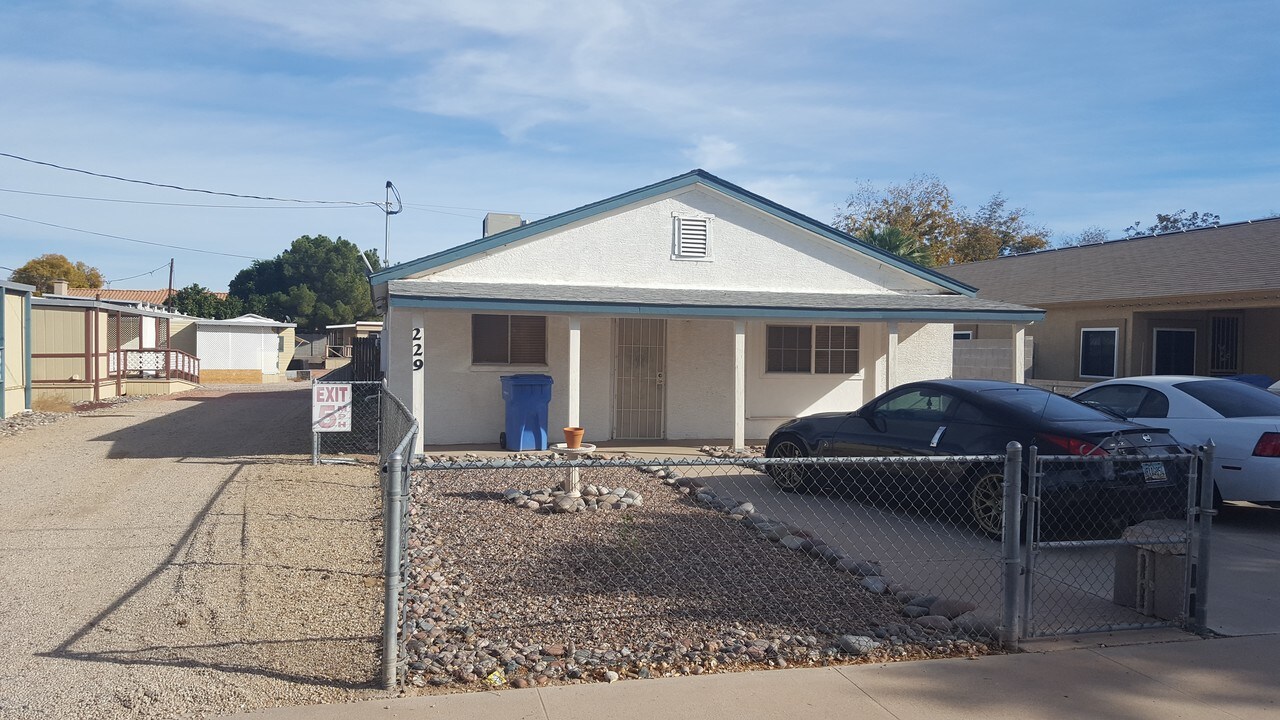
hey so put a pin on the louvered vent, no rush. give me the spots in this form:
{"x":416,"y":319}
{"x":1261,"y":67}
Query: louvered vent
{"x":693,"y":237}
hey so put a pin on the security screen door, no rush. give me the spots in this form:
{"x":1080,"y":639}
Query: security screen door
{"x":639,"y":379}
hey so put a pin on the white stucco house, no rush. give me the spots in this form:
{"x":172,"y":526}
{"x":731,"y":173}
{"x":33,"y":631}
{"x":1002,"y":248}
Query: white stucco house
{"x":687,"y":309}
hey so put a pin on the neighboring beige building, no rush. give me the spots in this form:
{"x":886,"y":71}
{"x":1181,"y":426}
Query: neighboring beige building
{"x":1199,"y":302}
{"x":15,"y":348}
{"x":342,"y":337}
{"x":247,"y":349}
{"x":83,"y":350}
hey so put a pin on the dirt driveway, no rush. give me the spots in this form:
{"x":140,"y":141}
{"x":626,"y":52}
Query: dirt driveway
{"x":180,"y":556}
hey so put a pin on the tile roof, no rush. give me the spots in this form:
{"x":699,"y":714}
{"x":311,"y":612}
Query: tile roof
{"x":1238,"y":257}
{"x":153,"y":297}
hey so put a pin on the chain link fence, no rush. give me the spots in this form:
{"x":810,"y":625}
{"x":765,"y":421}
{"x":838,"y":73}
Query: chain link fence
{"x":363,"y":441}
{"x":1109,"y":544}
{"x":533,"y":569}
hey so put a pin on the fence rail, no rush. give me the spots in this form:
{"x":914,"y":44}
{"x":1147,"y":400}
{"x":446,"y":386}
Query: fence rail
{"x":159,"y":363}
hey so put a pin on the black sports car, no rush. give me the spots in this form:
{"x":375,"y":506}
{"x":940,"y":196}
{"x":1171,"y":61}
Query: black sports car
{"x":1143,"y":475}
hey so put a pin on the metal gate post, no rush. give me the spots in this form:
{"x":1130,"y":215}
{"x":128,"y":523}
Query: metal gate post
{"x":1012,"y":555}
{"x":1201,"y":532}
{"x":1030,"y":537}
{"x":391,"y":569}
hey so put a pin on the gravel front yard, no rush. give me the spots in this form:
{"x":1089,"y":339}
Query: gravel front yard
{"x":180,"y":557}
{"x":501,"y":595}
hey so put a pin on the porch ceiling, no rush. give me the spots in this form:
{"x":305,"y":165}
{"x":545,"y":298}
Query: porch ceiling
{"x":686,"y":302}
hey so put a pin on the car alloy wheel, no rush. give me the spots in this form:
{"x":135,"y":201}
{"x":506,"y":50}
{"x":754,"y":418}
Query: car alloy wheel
{"x":986,"y":503}
{"x":788,"y":477}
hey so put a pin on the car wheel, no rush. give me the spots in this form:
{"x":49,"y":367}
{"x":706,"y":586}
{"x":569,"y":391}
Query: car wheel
{"x":986,"y":503}
{"x":791,"y":478}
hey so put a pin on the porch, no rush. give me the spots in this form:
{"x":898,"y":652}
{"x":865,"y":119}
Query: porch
{"x":650,"y":378}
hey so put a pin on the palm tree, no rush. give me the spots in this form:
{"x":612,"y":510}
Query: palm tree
{"x":902,"y":244}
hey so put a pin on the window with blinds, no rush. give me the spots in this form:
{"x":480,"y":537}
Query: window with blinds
{"x":692,"y":238}
{"x":812,"y":349}
{"x":508,"y":340}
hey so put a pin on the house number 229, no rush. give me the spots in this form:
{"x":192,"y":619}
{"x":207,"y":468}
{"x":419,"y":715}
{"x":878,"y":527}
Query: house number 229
{"x":417,"y":348}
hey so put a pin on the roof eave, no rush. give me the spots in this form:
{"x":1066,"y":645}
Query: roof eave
{"x":625,"y":309}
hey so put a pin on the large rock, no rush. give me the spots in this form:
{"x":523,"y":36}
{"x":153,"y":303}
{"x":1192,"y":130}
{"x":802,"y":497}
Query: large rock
{"x":857,"y":567}
{"x":566,"y":504}
{"x":875,"y":585}
{"x":857,"y":644}
{"x":951,"y":609}
{"x":934,"y":622}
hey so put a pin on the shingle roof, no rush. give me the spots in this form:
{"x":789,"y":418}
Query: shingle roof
{"x":718,"y":303}
{"x":153,"y":297}
{"x":1239,"y":257}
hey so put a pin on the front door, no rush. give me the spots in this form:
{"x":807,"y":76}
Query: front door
{"x":1175,"y":352}
{"x":639,"y":379}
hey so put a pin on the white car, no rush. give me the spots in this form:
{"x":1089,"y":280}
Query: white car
{"x":1242,"y":420}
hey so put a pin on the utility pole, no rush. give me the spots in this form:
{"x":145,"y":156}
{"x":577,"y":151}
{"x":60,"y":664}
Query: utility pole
{"x":168,"y":298}
{"x":386,"y":208}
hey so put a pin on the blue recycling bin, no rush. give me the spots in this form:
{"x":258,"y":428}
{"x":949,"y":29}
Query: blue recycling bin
{"x":527,"y":397}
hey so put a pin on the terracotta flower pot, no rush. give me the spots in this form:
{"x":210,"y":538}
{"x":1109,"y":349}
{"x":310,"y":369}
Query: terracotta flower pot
{"x":573,"y":437}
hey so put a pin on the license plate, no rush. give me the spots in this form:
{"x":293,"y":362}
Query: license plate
{"x":1153,"y":472}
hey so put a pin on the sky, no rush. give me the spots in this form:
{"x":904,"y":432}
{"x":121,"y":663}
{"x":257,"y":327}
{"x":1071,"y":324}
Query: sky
{"x":1084,"y":113}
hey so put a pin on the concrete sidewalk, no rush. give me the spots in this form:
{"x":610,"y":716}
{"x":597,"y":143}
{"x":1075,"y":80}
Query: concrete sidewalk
{"x":1166,"y":676}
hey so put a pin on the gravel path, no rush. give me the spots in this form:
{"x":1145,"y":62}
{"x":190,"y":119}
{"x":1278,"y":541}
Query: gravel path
{"x":180,"y":557}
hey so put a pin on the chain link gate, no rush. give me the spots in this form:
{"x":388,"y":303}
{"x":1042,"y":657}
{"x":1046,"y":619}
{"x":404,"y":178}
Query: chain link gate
{"x":1102,"y":578}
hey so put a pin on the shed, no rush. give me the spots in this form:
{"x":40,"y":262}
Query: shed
{"x":247,"y":349}
{"x":15,"y":348}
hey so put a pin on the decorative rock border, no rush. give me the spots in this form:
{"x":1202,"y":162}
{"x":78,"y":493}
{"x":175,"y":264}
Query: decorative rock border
{"x":593,"y":498}
{"x":923,"y":610}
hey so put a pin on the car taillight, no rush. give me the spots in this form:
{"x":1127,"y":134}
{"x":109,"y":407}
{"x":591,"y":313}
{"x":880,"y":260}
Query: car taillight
{"x":1072,"y":446}
{"x":1268,"y":445}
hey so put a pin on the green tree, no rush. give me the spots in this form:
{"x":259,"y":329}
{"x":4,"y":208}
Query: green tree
{"x":316,"y":282}
{"x":899,"y":243}
{"x":201,"y":302}
{"x":991,"y":231}
{"x":921,"y":208}
{"x":1173,"y":222}
{"x":42,"y":271}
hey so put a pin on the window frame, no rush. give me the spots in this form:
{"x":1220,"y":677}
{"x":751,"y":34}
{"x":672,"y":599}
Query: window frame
{"x":955,"y":335}
{"x":1115,"y":353}
{"x":482,"y":365}
{"x":813,"y":351}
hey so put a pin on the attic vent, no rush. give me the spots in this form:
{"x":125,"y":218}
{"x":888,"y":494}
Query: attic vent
{"x":693,"y":238}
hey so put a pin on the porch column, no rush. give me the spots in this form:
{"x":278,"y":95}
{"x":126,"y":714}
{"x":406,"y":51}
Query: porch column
{"x":575,"y":371}
{"x":891,"y":356}
{"x":1019,"y":353}
{"x":739,"y":384}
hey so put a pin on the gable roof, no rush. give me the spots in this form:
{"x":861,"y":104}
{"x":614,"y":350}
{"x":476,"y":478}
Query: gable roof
{"x":151,"y":297}
{"x":476,"y":247}
{"x":1237,"y":257}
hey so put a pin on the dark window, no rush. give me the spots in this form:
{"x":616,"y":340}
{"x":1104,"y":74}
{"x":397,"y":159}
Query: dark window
{"x":789,"y":348}
{"x":1123,"y":399}
{"x":1232,"y":399}
{"x":962,"y":335}
{"x":969,"y":414}
{"x":822,"y":349}
{"x":835,"y":350}
{"x":1098,"y":352}
{"x":1044,"y":404}
{"x":508,"y":340}
{"x":920,"y":404}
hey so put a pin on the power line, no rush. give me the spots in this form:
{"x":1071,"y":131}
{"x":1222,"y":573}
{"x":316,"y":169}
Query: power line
{"x":149,"y":272}
{"x":174,"y":204}
{"x":187,"y":189}
{"x":129,"y":239}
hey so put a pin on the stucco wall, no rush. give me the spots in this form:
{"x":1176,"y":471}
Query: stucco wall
{"x":462,"y":403}
{"x":750,"y":250}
